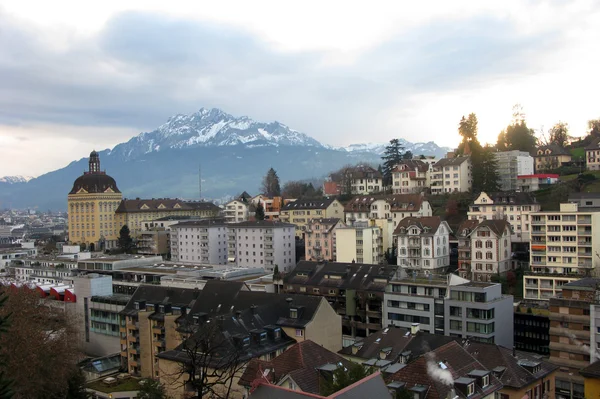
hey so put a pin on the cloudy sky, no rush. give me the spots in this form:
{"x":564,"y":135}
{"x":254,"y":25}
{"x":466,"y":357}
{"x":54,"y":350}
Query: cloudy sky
{"x":77,"y":75}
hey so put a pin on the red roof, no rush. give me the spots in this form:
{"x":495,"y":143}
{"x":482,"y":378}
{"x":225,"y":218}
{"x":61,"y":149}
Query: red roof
{"x":539,"y":176}
{"x":331,"y":188}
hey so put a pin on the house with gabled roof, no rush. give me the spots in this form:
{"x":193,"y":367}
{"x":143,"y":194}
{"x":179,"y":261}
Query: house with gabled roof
{"x":490,"y":249}
{"x":410,"y":176}
{"x":395,"y":207}
{"x":303,"y":210}
{"x":551,"y":156}
{"x":447,"y":372}
{"x":592,"y":155}
{"x":423,"y":243}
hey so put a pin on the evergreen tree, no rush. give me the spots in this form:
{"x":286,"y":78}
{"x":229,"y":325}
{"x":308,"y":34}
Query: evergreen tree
{"x":517,"y":136}
{"x":5,"y":383}
{"x":343,"y":377}
{"x":125,"y":242}
{"x":485,"y":171}
{"x":594,"y":127}
{"x":391,"y":157}
{"x":276,"y":274}
{"x":259,"y":213}
{"x":467,"y":129}
{"x":270,"y":185}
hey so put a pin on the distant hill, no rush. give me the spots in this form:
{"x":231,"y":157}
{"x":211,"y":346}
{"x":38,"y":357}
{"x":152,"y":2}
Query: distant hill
{"x":233,"y":154}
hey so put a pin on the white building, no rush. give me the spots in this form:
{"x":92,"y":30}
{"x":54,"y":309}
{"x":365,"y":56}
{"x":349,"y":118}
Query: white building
{"x":490,"y":249}
{"x":423,"y":243}
{"x":360,"y":243}
{"x":199,"y":241}
{"x":514,"y":207}
{"x":451,"y":175}
{"x":262,"y":243}
{"x":395,"y":207}
{"x":512,"y":164}
{"x":410,"y":176}
{"x":8,"y":255}
{"x":237,"y":211}
{"x":528,"y":183}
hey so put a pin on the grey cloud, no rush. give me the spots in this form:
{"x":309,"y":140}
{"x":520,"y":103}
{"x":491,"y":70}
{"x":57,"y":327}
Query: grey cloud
{"x":142,"y":68}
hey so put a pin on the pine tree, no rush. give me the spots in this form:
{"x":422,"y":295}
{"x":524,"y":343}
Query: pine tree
{"x":485,"y":171}
{"x":125,"y":242}
{"x":270,"y":185}
{"x":259,"y":214}
{"x":391,"y":157}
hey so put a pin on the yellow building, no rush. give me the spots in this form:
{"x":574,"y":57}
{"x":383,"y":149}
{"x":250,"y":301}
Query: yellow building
{"x":91,"y":207}
{"x":591,"y":380}
{"x":550,"y":157}
{"x":136,"y":212}
{"x":302,"y":211}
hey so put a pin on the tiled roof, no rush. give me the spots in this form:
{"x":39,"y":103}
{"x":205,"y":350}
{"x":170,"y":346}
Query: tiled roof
{"x":593,"y":370}
{"x":511,"y":198}
{"x":201,"y":223}
{"x":411,"y":165}
{"x":163,"y":205}
{"x":300,"y":361}
{"x":327,"y":223}
{"x":466,"y":227}
{"x":156,"y":294}
{"x":498,"y":226}
{"x":308,"y":203}
{"x":352,"y":275}
{"x":514,"y":374}
{"x":456,"y":360}
{"x":594,"y":145}
{"x":398,"y":340}
{"x":397,"y":202}
{"x":261,"y":224}
{"x":432,"y":223}
{"x":554,"y":149}
{"x":456,"y":161}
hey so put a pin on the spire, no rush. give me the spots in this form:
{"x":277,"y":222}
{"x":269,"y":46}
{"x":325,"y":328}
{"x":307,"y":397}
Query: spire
{"x":94,"y":162}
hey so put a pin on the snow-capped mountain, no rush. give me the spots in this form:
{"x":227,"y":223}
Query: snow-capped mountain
{"x":15,"y":179}
{"x":429,"y":148}
{"x":213,"y":127}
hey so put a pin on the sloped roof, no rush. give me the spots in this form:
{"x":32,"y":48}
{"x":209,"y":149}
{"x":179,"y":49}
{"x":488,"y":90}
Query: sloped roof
{"x":411,"y":165}
{"x":466,"y":227}
{"x":456,"y":161}
{"x":592,"y":371}
{"x":456,"y":360}
{"x":308,"y":203}
{"x":261,"y":224}
{"x":327,"y":223}
{"x":511,"y":198}
{"x":156,"y":294}
{"x":352,"y":275}
{"x":397,"y":202}
{"x":300,"y":361}
{"x":594,"y":145}
{"x":163,"y":205}
{"x":217,"y":222}
{"x":514,"y":375}
{"x":398,"y":340}
{"x":555,"y":150}
{"x":432,"y":223}
{"x":498,"y":226}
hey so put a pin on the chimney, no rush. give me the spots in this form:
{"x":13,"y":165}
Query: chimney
{"x":289,"y":301}
{"x":452,"y":394}
{"x":414,"y":328}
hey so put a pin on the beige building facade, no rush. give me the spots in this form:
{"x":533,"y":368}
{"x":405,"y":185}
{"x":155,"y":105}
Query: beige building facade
{"x":360,"y":243}
{"x":411,"y":176}
{"x":451,"y":175}
{"x":302,"y":211}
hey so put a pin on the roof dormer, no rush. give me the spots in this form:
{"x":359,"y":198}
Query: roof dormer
{"x":482,"y":377}
{"x":465,"y":385}
{"x":530,"y":365}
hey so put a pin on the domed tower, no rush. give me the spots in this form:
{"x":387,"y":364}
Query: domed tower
{"x":91,"y":207}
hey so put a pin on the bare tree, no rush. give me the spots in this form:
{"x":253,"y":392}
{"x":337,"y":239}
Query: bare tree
{"x":38,"y":350}
{"x":211,"y":361}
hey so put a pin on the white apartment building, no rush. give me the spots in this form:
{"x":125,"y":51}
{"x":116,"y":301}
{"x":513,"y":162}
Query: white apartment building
{"x":410,"y":176}
{"x":565,"y":241}
{"x":490,"y":249}
{"x":512,"y":164}
{"x":451,"y":175}
{"x":395,"y":207}
{"x":199,"y":241}
{"x":10,"y":254}
{"x":543,"y":286}
{"x":262,"y":243}
{"x":529,"y":183}
{"x":237,"y":211}
{"x":360,"y":243}
{"x":359,"y":180}
{"x":423,"y":243}
{"x":514,"y":207}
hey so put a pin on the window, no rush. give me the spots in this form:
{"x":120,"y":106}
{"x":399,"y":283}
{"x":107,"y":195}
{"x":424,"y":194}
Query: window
{"x":470,"y":389}
{"x":299,"y":332}
{"x":485,"y":381}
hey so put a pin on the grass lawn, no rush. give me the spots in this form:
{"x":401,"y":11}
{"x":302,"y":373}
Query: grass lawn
{"x":593,"y":187}
{"x":578,"y":152}
{"x":130,"y":384}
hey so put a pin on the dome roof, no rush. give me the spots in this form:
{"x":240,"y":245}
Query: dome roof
{"x":94,"y":183}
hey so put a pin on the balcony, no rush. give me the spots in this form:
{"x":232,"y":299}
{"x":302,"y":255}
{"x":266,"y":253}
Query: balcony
{"x":133,"y":337}
{"x":413,"y":244}
{"x":570,"y":318}
{"x":571,"y":348}
{"x":538,"y":222}
{"x":562,"y":332}
{"x":159,"y":343}
{"x":584,"y":232}
{"x":584,"y":220}
{"x":158,"y":330}
{"x":584,"y":263}
{"x":134,"y":349}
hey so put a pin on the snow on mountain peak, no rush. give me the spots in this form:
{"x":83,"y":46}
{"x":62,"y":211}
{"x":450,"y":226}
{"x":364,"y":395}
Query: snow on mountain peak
{"x":15,"y":179}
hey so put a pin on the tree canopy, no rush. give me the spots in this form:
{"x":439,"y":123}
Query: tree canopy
{"x":259,"y":214}
{"x":270,"y":184}
{"x":485,"y":170}
{"x":343,"y":377}
{"x":151,"y":389}
{"x":517,"y":136}
{"x":299,"y":189}
{"x":391,"y":157}
{"x":559,"y":134}
{"x":125,"y":242}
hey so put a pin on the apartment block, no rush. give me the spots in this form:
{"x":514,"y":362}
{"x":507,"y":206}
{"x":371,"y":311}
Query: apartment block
{"x":562,"y":244}
{"x":572,"y":342}
{"x":535,"y":182}
{"x":450,"y":175}
{"x":511,"y":164}
{"x":592,"y":155}
{"x":418,"y":298}
{"x":200,"y":241}
{"x":543,"y":286}
{"x":410,"y":176}
{"x":514,"y":207}
{"x":479,"y":312}
{"x":320,"y":239}
{"x":154,"y":242}
{"x":358,"y":180}
{"x":361,"y":243}
{"x":463,"y":236}
{"x":532,"y":327}
{"x":262,"y":243}
{"x":237,"y":211}
{"x":395,"y":207}
{"x":490,"y":249}
{"x":423,"y":243}
{"x":302,"y":211}
{"x":354,"y":290}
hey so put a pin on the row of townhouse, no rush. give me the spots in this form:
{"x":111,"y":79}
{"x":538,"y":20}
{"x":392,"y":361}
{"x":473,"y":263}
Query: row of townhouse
{"x":371,"y":297}
{"x":260,"y":243}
